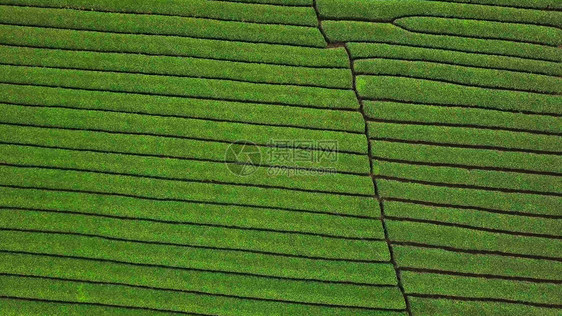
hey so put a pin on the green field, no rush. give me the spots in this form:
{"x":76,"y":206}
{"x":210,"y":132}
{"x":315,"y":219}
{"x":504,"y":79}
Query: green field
{"x":281,"y":157}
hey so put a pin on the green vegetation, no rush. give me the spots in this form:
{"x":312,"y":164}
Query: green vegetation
{"x":502,"y":201}
{"x":461,"y":75}
{"x":176,"y":66}
{"x":428,"y":306}
{"x":164,"y":25}
{"x":198,"y":236}
{"x":270,"y":114}
{"x":354,"y":31}
{"x":406,"y":161}
{"x":464,"y":136}
{"x":369,"y":51}
{"x":472,"y":239}
{"x":438,"y":259}
{"x":480,"y":287}
{"x":474,"y":218}
{"x":483,"y":178}
{"x":173,"y":46}
{"x":247,"y":286}
{"x":225,"y":10}
{"x":483,"y":29}
{"x":174,"y":169}
{"x":15,"y":306}
{"x":181,"y":257}
{"x":423,"y":113}
{"x":469,"y":157}
{"x":166,"y":189}
{"x":539,"y":4}
{"x":196,"y":213}
{"x":279,"y":2}
{"x":171,"y":126}
{"x":158,"y":147}
{"x":174,"y":86}
{"x":152,"y":298}
{"x":431,"y":91}
{"x":388,"y":10}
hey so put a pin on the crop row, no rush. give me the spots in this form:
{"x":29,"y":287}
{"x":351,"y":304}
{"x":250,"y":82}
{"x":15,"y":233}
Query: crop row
{"x":483,"y":264}
{"x":21,"y":305}
{"x":462,"y":176}
{"x":268,"y":114}
{"x":393,"y":9}
{"x":551,"y":36}
{"x":449,"y":57}
{"x":172,"y":46}
{"x":174,"y":86}
{"x":152,"y":298}
{"x":536,"y":4}
{"x":437,"y":284}
{"x":422,"y":113}
{"x":174,"y":127}
{"x":387,"y":33}
{"x":433,"y":306}
{"x":430,"y":91}
{"x":501,"y":201}
{"x":197,"y":236}
{"x":471,"y":239}
{"x":153,"y":146}
{"x":104,"y":184}
{"x":224,"y":10}
{"x":195,"y":213}
{"x":460,"y":74}
{"x":209,"y":282}
{"x":474,"y":218}
{"x":279,"y":2}
{"x":469,"y":157}
{"x":472,"y":136}
{"x":176,"y":66}
{"x":233,"y":261}
{"x":162,"y":25}
{"x":181,"y":170}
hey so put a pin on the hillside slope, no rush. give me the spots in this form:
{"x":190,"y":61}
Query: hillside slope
{"x":280,"y":157}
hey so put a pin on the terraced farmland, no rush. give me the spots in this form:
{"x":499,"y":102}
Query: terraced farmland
{"x":281,"y":157}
